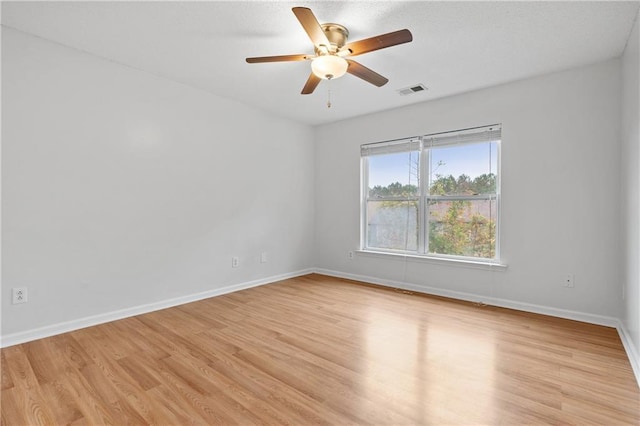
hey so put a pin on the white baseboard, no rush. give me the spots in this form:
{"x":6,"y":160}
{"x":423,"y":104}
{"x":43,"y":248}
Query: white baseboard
{"x":504,"y":303}
{"x":631,"y":350}
{"x":470,"y":297}
{"x":64,"y":327}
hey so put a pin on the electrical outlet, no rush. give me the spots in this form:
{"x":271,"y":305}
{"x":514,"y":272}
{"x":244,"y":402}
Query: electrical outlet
{"x":350,"y":255}
{"x":569,"y":281}
{"x":263,"y":257}
{"x":235,"y":262}
{"x":19,"y":295}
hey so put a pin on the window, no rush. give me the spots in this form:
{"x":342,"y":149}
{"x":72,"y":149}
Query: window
{"x":434,"y":195}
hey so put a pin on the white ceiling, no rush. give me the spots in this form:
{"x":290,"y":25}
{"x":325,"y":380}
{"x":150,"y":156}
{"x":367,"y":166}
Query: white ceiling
{"x":457,"y":46}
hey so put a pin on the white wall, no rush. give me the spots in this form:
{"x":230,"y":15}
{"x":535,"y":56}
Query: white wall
{"x":560,"y":190}
{"x":123,"y":189}
{"x":631,"y":188}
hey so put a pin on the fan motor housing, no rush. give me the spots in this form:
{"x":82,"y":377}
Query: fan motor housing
{"x":336,"y":34}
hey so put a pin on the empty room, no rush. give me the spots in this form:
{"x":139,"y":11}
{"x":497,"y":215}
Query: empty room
{"x":327,"y":212}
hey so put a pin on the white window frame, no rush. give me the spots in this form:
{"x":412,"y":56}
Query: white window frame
{"x":424,"y":145}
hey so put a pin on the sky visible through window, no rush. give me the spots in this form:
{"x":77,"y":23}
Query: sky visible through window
{"x":472,"y":160}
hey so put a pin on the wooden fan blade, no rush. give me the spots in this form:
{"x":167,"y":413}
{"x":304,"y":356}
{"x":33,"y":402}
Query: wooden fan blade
{"x":366,"y":74}
{"x":311,"y":26}
{"x":281,"y":58}
{"x":378,"y":42}
{"x":311,"y":84}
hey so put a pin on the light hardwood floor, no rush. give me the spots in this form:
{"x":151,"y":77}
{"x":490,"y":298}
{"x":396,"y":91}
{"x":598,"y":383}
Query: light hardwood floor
{"x":321,"y":350}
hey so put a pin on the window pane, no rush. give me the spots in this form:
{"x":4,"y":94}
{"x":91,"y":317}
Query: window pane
{"x":454,"y":213}
{"x":463,"y":228}
{"x":394,"y":175}
{"x":463,"y":169}
{"x":392,"y":225}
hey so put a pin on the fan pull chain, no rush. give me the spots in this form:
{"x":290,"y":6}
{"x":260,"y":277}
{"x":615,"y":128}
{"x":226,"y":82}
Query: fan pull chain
{"x":328,"y":93}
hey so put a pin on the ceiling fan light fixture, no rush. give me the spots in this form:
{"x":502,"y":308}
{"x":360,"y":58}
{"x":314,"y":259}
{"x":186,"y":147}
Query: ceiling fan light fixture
{"x":329,"y":67}
{"x":330,"y":47}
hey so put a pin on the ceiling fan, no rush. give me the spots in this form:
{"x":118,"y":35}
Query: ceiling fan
{"x":331,"y":49}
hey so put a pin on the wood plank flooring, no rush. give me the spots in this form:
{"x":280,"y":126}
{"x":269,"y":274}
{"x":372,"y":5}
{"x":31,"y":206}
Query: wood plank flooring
{"x":321,"y":350}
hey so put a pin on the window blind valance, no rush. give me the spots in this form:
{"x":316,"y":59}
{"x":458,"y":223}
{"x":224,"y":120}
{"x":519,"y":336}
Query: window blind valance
{"x":390,"y":147}
{"x":476,"y":134}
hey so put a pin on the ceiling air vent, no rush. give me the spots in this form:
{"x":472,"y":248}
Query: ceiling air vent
{"x":412,"y":89}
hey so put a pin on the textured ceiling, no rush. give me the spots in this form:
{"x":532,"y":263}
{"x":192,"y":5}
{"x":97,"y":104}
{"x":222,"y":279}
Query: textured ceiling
{"x":457,"y":47}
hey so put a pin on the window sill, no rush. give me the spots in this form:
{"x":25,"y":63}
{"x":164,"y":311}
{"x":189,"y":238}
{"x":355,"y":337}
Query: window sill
{"x":476,"y":264}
